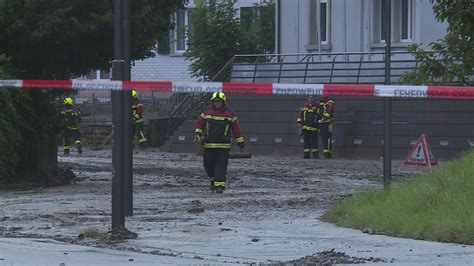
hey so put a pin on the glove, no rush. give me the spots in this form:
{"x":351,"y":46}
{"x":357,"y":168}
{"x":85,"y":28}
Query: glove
{"x":137,"y":116}
{"x":300,"y":129}
{"x":197,"y":138}
{"x":241,"y":145}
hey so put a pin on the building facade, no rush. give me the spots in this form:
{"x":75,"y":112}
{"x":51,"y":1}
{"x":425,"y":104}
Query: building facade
{"x":353,"y":25}
{"x":169,"y":63}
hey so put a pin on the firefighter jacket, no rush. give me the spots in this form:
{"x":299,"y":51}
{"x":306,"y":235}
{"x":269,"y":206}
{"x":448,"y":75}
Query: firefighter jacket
{"x":137,"y":108}
{"x":308,"y":117}
{"x":326,"y":112}
{"x":215,"y":124}
{"x":70,"y":117}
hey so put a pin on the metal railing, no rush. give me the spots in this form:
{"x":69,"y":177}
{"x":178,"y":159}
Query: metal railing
{"x":96,"y":106}
{"x":319,"y":67}
{"x":274,"y":68}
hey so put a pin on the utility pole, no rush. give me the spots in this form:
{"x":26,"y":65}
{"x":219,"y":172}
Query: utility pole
{"x":121,"y":118}
{"x":127,"y":106}
{"x":387,"y":140}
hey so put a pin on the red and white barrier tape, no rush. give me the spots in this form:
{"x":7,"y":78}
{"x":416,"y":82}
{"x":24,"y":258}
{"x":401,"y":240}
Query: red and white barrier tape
{"x":404,"y":91}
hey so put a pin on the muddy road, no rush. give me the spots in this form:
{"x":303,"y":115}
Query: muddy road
{"x":268,"y":213}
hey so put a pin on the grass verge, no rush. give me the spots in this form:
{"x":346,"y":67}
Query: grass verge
{"x":434,"y":206}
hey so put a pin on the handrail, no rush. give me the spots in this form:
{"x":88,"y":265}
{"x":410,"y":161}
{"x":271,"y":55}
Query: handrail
{"x":332,"y":69}
{"x":341,"y":67}
{"x":326,"y":54}
{"x":231,"y":61}
{"x":179,"y":106}
{"x":358,"y":71}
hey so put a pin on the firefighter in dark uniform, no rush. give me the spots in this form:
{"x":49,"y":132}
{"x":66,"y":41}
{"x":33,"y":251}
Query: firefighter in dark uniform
{"x":70,"y":118}
{"x":137,"y":108}
{"x":213,"y":131}
{"x":326,"y":124}
{"x":308,"y":125}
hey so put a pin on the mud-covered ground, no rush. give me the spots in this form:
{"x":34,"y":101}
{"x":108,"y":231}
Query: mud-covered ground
{"x":268,"y":213}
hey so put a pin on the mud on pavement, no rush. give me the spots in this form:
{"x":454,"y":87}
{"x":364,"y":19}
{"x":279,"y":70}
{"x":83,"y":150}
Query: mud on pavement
{"x":267,"y":200}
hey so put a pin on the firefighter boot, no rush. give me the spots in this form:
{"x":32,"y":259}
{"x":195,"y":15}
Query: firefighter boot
{"x":79,"y":146}
{"x":211,"y":184}
{"x":315,"y":155}
{"x":219,"y":186}
{"x":66,"y":152}
{"x":306,"y":155}
{"x":327,"y":155}
{"x":212,"y":187}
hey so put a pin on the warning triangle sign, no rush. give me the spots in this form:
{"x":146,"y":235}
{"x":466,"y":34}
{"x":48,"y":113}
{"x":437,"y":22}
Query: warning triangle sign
{"x":420,"y":154}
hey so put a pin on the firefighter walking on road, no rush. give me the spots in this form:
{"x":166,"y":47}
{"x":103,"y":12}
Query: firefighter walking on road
{"x":308,"y":127}
{"x":137,"y":108}
{"x":70,"y":119}
{"x":326,"y":124}
{"x":213,"y":131}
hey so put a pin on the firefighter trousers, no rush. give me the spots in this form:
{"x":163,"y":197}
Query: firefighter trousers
{"x":72,"y":135}
{"x":215,"y":164}
{"x":326,"y":138}
{"x":310,"y":139}
{"x":138,"y":130}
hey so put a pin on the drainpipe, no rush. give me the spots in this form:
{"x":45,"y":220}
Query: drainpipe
{"x":345,"y":29}
{"x":362,"y":26}
{"x":318,"y":25}
{"x":298,"y":31}
{"x":278,"y":28}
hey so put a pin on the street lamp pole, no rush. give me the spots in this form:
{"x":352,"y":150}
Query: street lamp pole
{"x":387,"y":140}
{"x":122,"y":181}
{"x":127,"y":107}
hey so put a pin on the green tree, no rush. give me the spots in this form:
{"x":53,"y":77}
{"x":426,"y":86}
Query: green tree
{"x":59,"y":39}
{"x":257,"y":26}
{"x":62,"y":38}
{"x":214,"y":39}
{"x":9,"y":138}
{"x":451,"y":60}
{"x":218,"y":34}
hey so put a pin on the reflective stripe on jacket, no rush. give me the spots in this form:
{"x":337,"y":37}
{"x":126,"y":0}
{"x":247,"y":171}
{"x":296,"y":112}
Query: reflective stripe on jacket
{"x":137,"y":108}
{"x":71,"y":117}
{"x":326,"y":111}
{"x":308,"y":117}
{"x":216,"y":125}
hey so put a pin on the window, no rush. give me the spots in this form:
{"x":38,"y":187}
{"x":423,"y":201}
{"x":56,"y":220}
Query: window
{"x":402,"y":15}
{"x":180,"y":30}
{"x":182,"y":26}
{"x":319,"y":19}
{"x":382,"y":20}
{"x":406,"y":17}
{"x":324,"y":21}
{"x":97,"y":74}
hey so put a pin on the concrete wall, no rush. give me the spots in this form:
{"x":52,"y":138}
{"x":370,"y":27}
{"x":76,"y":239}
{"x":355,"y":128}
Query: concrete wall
{"x":269,"y":126}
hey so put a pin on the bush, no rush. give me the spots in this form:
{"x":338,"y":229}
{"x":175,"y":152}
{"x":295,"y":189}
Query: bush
{"x":9,"y":137}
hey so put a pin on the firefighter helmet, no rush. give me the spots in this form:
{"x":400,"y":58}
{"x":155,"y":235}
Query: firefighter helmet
{"x":218,"y":96}
{"x":68,"y":100}
{"x":134,"y":93}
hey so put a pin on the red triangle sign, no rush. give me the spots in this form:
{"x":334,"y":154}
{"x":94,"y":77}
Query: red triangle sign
{"x":420,"y":154}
